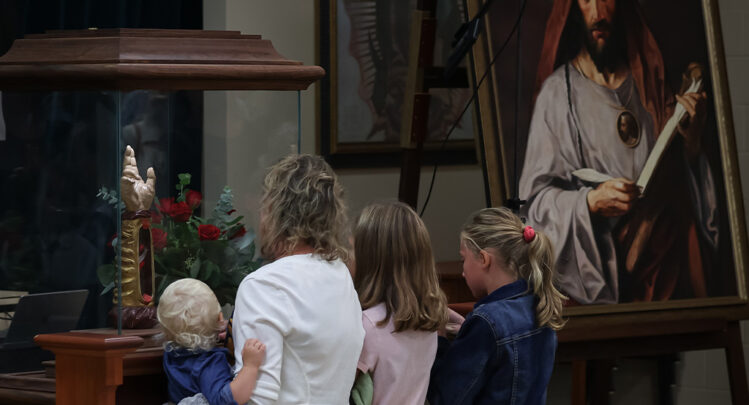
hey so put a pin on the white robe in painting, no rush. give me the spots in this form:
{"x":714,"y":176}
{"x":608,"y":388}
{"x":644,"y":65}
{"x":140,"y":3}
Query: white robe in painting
{"x":557,"y":201}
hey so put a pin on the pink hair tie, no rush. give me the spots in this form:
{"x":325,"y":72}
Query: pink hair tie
{"x":529,"y":234}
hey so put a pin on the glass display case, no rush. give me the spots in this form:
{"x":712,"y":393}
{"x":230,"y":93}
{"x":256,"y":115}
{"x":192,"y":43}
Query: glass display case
{"x":89,"y":235}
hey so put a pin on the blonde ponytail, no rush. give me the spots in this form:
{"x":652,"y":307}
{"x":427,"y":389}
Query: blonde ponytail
{"x":541,"y":279}
{"x":527,"y":253}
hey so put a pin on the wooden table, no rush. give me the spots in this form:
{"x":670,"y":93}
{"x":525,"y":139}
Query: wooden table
{"x":93,"y":366}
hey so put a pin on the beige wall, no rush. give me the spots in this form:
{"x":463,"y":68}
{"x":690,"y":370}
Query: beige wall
{"x":235,"y":155}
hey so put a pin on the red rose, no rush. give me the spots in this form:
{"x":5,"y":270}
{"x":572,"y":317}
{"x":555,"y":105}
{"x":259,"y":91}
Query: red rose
{"x":156,"y":217}
{"x":165,"y":205}
{"x":208,"y":232}
{"x":239,"y":233}
{"x":180,"y":211}
{"x":147,"y":298}
{"x":193,"y":198}
{"x":158,"y":237}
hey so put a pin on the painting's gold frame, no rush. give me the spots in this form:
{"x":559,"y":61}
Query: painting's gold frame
{"x":363,"y":154}
{"x":495,"y":159}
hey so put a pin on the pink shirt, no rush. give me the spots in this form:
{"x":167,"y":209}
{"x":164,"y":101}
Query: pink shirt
{"x":398,"y":362}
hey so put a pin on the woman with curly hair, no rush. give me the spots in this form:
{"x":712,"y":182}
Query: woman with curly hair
{"x":302,"y":305}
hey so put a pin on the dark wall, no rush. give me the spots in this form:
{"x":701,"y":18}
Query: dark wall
{"x":21,"y":17}
{"x":60,"y":148}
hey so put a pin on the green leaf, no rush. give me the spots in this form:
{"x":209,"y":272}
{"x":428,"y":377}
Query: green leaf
{"x":195,"y":268}
{"x":159,"y":263}
{"x":111,"y":197}
{"x":238,"y":276}
{"x":245,"y":244}
{"x":234,"y":221}
{"x":210,"y":270}
{"x":184,"y":178}
{"x":165,"y":281}
{"x":106,"y":273}
{"x":107,"y":288}
{"x":223,"y":206}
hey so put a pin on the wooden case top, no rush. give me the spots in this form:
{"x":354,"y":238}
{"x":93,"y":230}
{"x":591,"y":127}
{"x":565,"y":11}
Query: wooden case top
{"x":129,"y":59}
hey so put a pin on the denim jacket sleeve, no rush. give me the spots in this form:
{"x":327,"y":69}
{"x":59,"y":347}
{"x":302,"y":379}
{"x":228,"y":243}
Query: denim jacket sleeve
{"x":458,"y":374}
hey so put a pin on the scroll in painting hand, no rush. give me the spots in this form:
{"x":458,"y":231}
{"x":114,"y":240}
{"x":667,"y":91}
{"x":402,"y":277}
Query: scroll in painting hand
{"x":665,"y":137}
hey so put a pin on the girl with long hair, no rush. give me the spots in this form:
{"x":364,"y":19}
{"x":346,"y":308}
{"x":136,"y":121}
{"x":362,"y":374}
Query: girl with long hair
{"x":403,"y":306}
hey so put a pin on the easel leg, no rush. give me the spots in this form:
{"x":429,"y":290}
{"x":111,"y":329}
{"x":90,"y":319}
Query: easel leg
{"x":601,"y":377}
{"x":735,"y":362}
{"x":579,"y":374}
{"x":666,"y":378}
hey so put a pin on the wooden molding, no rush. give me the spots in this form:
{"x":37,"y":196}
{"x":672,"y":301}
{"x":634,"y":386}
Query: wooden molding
{"x":128,"y":59}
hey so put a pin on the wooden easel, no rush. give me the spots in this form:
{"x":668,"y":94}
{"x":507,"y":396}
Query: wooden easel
{"x":422,"y":76}
{"x":595,"y":348}
{"x":592,"y":343}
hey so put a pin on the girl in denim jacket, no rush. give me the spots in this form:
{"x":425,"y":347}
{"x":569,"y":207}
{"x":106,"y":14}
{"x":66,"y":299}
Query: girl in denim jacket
{"x":504,"y":351}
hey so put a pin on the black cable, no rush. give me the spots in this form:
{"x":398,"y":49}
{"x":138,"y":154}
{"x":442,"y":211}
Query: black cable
{"x":518,"y":89}
{"x":468,"y":104}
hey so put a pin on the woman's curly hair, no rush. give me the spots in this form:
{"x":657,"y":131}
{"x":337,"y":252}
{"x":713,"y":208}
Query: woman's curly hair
{"x":302,"y":203}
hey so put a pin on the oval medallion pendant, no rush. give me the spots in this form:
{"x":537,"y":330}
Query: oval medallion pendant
{"x":628,"y":129}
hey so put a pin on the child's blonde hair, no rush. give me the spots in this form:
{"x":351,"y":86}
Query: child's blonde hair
{"x":188,"y":311}
{"x":500,"y":230}
{"x":394,"y":265}
{"x":302,"y":203}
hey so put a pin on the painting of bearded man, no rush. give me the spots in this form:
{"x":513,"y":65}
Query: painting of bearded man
{"x":604,"y":91}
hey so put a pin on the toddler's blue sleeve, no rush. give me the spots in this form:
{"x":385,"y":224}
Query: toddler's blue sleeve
{"x":215,"y":377}
{"x":458,"y":374}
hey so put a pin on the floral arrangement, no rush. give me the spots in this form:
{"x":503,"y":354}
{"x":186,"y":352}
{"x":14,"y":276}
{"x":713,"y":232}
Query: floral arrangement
{"x":217,"y":250}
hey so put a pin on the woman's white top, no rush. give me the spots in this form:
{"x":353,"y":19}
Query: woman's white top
{"x":307,"y":313}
